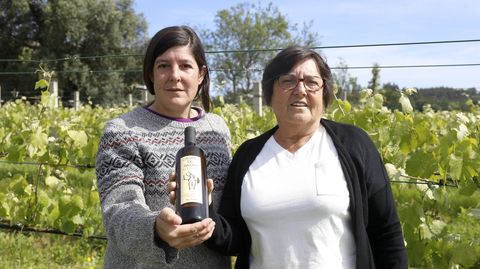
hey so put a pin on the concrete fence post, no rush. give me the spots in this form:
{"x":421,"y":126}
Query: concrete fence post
{"x":54,"y":92}
{"x":130,"y":99}
{"x":257,"y":98}
{"x":76,"y":100}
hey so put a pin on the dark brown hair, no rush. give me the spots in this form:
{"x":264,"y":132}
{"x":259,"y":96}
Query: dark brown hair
{"x":285,"y":60}
{"x":175,"y":36}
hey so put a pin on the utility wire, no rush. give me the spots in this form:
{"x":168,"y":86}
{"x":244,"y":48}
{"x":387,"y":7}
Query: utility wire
{"x":135,"y":70}
{"x":357,"y":46}
{"x":74,"y":58}
{"x":409,"y":66}
{"x":248,"y":70}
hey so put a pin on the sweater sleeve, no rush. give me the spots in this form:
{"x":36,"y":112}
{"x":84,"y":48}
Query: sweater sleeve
{"x":384,"y":228}
{"x":128,"y":221}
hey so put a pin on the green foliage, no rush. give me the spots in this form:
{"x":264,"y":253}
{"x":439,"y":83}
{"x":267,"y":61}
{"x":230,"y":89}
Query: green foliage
{"x":443,"y":98}
{"x":438,"y":146}
{"x":244,"y":123}
{"x":41,"y":31}
{"x":47,"y":251}
{"x":345,"y":85}
{"x":56,"y":192}
{"x":252,"y":28}
{"x":436,"y":153}
{"x":374,"y":83}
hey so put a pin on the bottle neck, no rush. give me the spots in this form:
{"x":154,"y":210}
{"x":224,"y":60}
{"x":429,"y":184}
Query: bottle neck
{"x":190,"y":136}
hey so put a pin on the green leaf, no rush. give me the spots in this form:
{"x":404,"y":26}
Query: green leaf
{"x":437,"y":226}
{"x":52,"y":181}
{"x":467,"y":188}
{"x":347,"y":106}
{"x":68,"y":226}
{"x":47,"y":99}
{"x":76,"y":203}
{"x":18,"y":185}
{"x":465,"y":255}
{"x":413,"y":214}
{"x":43,"y":198}
{"x":37,"y":143}
{"x":462,"y":132}
{"x":54,"y":214}
{"x":421,"y":164}
{"x":41,"y":84}
{"x":378,"y":100}
{"x":406,"y":105}
{"x":455,"y":165}
{"x":78,"y":220}
{"x":94,"y":199}
{"x":80,"y":138}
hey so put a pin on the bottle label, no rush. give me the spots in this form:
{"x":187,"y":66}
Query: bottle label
{"x":191,"y":185}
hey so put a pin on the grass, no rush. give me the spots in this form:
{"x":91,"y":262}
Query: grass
{"x":35,"y":250}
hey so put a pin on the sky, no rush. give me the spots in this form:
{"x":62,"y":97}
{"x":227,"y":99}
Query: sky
{"x":364,"y":22}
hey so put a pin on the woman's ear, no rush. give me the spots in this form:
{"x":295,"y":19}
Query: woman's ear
{"x":201,"y":74}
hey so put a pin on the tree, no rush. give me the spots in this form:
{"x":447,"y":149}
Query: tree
{"x":18,"y":41}
{"x":391,"y":93}
{"x":374,"y":83}
{"x":245,"y":38}
{"x":445,"y":98}
{"x":79,"y":40}
{"x":347,"y":85}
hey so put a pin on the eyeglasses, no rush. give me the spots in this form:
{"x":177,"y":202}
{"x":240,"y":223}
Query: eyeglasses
{"x":289,"y":82}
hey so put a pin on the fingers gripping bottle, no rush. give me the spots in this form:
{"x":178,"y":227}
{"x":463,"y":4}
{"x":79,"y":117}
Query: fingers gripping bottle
{"x":190,"y":169}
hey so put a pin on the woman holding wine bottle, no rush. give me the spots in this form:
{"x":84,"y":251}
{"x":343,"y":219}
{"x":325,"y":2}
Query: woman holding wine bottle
{"x":137,"y":155}
{"x":309,"y":193}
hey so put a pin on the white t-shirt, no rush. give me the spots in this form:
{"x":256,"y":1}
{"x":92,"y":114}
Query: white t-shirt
{"x":296,"y":207}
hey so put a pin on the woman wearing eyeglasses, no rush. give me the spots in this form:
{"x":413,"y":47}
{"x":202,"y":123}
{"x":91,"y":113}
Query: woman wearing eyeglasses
{"x":309,"y":193}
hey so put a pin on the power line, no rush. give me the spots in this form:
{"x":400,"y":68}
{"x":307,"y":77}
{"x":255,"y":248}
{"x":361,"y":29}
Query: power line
{"x":400,"y":44}
{"x":409,"y":66}
{"x":137,"y":70}
{"x":357,"y":46}
{"x":75,"y":58}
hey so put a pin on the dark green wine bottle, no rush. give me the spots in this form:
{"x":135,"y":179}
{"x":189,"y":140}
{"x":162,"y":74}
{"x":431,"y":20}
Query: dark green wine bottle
{"x":190,"y":169}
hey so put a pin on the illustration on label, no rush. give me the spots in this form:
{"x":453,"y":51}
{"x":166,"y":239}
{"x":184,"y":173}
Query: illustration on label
{"x":191,"y":187}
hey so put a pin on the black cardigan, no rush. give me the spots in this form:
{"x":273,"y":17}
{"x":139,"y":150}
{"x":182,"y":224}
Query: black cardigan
{"x":376,"y":227}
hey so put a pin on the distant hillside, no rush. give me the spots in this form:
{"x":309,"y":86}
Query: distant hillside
{"x":443,"y":98}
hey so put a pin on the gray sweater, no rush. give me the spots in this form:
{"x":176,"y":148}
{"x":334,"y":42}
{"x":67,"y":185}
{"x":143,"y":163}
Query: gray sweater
{"x":136,"y":154}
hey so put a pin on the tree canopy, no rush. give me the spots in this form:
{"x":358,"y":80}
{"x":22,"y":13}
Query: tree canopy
{"x":245,"y":38}
{"x":78,"y":40}
{"x":96,"y":47}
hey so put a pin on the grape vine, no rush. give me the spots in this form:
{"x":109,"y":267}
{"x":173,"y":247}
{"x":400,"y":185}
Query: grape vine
{"x":47,"y":157}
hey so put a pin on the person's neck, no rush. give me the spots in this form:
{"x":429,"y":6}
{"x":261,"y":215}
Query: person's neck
{"x":187,"y":113}
{"x":291,"y":138}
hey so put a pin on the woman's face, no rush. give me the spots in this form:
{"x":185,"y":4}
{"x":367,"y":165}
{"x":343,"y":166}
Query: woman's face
{"x":299,"y":106}
{"x":176,"y":78}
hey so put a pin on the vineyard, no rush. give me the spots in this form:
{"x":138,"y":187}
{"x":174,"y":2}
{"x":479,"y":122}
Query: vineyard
{"x":47,"y":159}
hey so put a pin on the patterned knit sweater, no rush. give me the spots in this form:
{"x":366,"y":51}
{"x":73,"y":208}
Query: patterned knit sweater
{"x":135,"y":157}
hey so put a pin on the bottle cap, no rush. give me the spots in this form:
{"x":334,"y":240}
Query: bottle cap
{"x":190,"y":135}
